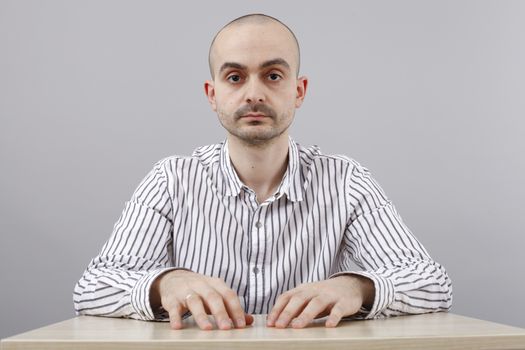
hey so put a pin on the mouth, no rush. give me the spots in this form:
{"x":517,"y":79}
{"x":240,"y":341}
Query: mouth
{"x":254,"y":116}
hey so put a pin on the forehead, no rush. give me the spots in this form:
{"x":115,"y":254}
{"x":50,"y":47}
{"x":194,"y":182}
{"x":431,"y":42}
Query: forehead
{"x":253,"y":44}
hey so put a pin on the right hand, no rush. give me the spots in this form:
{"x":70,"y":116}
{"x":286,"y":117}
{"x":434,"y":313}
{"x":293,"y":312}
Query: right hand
{"x":182,"y":290}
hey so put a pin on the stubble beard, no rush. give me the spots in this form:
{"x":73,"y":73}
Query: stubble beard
{"x":255,"y":133}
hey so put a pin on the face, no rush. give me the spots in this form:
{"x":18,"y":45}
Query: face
{"x":255,"y":89}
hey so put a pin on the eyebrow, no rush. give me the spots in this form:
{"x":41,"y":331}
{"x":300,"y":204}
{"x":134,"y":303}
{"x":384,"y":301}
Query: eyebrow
{"x":227,"y":65}
{"x":273,"y":62}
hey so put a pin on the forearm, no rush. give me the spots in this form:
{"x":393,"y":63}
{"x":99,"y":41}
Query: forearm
{"x":419,"y":287}
{"x":115,"y":291}
{"x":410,"y":287}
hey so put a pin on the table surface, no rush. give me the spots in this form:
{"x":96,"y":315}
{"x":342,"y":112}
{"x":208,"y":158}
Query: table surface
{"x":429,"y":331}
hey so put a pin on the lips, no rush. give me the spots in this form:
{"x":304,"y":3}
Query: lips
{"x":256,"y":116}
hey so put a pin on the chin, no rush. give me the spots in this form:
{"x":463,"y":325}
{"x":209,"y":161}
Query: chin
{"x":258,"y":138}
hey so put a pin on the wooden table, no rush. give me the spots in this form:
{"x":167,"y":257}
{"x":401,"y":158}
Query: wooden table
{"x":430,"y":331}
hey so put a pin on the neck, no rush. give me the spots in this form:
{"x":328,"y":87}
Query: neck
{"x":261,"y":167}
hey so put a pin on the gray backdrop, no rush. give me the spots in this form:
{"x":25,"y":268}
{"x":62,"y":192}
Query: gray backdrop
{"x":429,"y":95}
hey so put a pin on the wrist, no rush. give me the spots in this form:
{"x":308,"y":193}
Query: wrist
{"x":154,"y":293}
{"x":366,"y":289}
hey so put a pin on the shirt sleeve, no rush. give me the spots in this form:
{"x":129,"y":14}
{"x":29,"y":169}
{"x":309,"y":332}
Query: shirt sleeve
{"x":406,"y":279}
{"x":117,"y":281}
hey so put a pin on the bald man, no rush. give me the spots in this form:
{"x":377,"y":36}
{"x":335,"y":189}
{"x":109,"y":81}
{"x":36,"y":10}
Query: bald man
{"x":259,"y":223}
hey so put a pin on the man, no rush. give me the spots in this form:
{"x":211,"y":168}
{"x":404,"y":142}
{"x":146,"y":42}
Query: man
{"x":258,"y":223}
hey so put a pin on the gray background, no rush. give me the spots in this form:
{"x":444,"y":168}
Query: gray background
{"x":429,"y":95}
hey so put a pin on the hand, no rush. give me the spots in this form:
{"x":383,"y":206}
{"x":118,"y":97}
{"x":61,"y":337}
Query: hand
{"x":180,"y":290}
{"x":337,"y":297}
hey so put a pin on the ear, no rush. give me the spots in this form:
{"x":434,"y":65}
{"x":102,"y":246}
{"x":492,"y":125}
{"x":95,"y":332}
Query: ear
{"x":209,"y":90}
{"x":302,"y":84}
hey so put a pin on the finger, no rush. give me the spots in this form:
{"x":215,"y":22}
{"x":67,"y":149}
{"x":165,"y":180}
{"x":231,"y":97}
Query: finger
{"x":175,"y":314}
{"x":314,"y":307}
{"x":215,"y":304}
{"x":335,"y":316}
{"x":194,"y":304}
{"x":294,"y":307}
{"x":233,"y":304}
{"x":278,"y":307}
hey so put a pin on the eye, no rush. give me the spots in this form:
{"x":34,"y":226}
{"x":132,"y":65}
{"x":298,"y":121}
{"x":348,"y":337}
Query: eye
{"x":274,"y":77}
{"x":234,"y":78}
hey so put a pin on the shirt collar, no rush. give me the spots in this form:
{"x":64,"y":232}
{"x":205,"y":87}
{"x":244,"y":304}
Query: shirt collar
{"x":290,"y":185}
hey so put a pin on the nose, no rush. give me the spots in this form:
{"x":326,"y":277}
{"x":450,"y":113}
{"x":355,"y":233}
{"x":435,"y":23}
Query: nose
{"x":254,"y":92}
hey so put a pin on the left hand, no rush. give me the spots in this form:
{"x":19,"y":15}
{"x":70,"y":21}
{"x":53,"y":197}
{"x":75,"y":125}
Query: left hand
{"x":337,"y":297}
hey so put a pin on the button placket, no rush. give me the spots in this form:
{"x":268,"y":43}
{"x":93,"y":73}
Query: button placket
{"x":257,"y":256}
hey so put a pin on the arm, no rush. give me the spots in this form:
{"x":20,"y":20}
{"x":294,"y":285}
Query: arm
{"x":133,"y":274}
{"x":406,"y":279}
{"x":117,"y":282}
{"x":399,"y":276}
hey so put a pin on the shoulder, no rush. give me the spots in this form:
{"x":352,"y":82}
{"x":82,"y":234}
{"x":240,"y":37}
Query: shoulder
{"x":201,"y":156}
{"x":312,"y":156}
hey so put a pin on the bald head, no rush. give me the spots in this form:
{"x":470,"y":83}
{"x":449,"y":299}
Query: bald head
{"x":264,"y":26}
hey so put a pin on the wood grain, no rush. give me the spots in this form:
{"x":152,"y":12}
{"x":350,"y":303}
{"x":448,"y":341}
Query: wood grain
{"x":430,"y":331}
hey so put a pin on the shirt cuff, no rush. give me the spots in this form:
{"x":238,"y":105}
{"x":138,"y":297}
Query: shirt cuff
{"x":384,"y":294}
{"x":140,"y":296}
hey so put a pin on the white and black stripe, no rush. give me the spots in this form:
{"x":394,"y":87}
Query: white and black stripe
{"x":195,"y":213}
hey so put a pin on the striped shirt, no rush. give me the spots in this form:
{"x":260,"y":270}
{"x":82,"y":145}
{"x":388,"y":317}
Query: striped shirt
{"x":195,"y":213}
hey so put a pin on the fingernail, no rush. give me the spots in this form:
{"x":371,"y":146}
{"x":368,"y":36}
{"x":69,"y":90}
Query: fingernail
{"x":296,"y":322}
{"x":240,"y":322}
{"x":280,"y":323}
{"x":226,"y":323}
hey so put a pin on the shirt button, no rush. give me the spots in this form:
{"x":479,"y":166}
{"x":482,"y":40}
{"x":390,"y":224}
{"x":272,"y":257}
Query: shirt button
{"x":255,"y":270}
{"x":258,"y":224}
